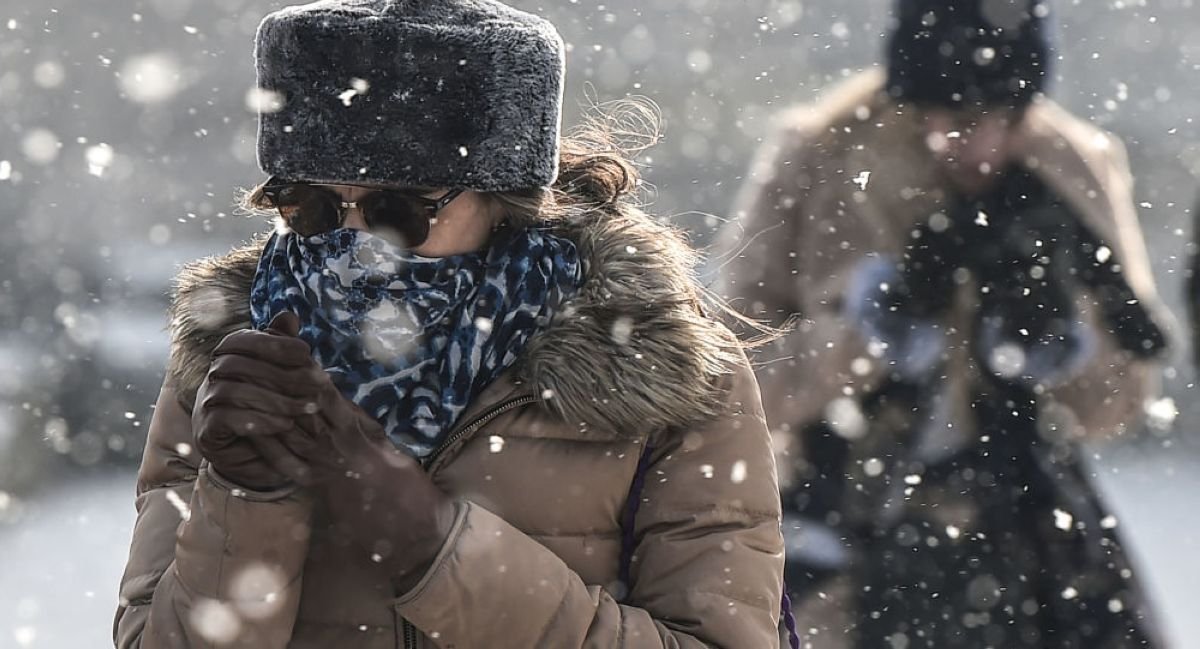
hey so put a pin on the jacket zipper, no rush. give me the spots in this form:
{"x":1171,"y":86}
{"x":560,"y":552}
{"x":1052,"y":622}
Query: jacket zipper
{"x":479,"y":422}
{"x":410,"y":636}
{"x":410,"y":632}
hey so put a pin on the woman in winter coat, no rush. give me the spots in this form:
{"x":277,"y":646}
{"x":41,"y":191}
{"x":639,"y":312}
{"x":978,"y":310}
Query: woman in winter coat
{"x":466,"y":394}
{"x":975,"y":298}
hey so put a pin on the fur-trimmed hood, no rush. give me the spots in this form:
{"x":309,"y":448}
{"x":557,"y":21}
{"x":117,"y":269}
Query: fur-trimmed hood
{"x":632,"y":352}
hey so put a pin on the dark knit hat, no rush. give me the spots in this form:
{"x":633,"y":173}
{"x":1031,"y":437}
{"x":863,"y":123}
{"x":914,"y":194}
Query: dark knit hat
{"x":433,"y":93}
{"x":958,"y":53}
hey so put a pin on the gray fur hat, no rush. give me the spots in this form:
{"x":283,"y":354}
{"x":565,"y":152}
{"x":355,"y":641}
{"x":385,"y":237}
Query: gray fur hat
{"x":428,"y":93}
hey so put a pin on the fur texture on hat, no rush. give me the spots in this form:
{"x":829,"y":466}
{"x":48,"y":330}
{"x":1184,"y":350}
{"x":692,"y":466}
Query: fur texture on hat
{"x":958,"y":53}
{"x":426,"y":93}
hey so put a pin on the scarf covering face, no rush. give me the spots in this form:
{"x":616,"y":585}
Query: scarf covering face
{"x":413,"y":340}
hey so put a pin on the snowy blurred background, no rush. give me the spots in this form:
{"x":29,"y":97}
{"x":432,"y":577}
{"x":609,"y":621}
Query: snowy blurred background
{"x":126,"y":128}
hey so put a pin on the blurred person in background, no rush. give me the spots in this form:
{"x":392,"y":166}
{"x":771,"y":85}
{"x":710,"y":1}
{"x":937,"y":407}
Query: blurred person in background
{"x":975,"y":299}
{"x":466,"y":394}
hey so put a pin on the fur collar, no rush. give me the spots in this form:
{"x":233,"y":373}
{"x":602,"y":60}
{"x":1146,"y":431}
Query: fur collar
{"x":632,"y":353}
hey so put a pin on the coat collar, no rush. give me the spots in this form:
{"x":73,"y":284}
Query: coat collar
{"x":632,"y":353}
{"x":1085,"y":165}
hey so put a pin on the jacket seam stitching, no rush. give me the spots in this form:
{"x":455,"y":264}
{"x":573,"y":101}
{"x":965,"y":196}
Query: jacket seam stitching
{"x":575,"y":535}
{"x":752,"y":513}
{"x":158,"y":486}
{"x":541,"y":636}
{"x":734,"y":598}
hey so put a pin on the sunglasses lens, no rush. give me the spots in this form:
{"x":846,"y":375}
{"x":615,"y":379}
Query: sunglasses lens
{"x":399,"y":219}
{"x":306,"y":210}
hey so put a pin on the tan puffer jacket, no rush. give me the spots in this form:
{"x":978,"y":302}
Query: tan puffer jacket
{"x":543,"y":462}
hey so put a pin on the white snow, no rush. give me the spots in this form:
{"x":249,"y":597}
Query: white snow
{"x":40,"y":146}
{"x":151,"y":78}
{"x":1063,"y":520}
{"x":261,"y":100}
{"x":215,"y":621}
{"x":862,"y":179}
{"x":737,"y":474}
{"x":99,"y":158}
{"x":49,"y":74}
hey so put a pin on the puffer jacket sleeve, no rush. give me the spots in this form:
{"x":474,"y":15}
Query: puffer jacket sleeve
{"x":209,"y":564}
{"x":707,"y":570}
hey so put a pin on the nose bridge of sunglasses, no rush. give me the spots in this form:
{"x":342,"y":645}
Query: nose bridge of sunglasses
{"x":397,"y":217}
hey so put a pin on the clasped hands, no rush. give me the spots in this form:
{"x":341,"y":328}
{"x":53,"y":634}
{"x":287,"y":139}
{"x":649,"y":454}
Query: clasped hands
{"x":1030,"y":263}
{"x":267,"y":416}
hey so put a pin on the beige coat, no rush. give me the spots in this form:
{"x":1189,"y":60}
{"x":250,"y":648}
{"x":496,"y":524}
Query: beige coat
{"x":542,"y":463}
{"x":804,"y":223}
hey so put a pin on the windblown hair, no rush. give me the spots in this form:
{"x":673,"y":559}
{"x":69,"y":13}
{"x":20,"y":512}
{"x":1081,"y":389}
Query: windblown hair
{"x":598,"y":178}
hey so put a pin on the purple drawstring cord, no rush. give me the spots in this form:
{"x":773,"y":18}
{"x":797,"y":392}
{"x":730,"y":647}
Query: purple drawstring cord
{"x":789,"y":620}
{"x":628,"y":538}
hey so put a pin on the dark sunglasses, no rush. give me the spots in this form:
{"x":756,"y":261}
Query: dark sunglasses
{"x":403,"y":217}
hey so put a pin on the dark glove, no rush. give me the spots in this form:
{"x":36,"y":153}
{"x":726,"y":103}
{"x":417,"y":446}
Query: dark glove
{"x":244,"y":420}
{"x":1126,"y":317}
{"x":377,"y":496}
{"x":926,"y":270}
{"x":1038,"y":246}
{"x":1024,"y":296}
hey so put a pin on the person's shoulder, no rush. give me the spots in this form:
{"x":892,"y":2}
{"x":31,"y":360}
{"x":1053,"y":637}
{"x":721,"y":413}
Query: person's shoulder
{"x":843,"y":104}
{"x":830,"y":122}
{"x":1056,"y":128}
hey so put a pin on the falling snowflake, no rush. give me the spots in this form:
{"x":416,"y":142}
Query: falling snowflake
{"x":1161,"y":413}
{"x":256,"y":589}
{"x":40,"y":146}
{"x":261,"y":100}
{"x":357,"y":87}
{"x":151,"y":78}
{"x":862,"y":179}
{"x":622,"y":330}
{"x":737,"y":475}
{"x":99,"y":159}
{"x":185,"y":511}
{"x":1063,"y":520}
{"x":215,"y":621}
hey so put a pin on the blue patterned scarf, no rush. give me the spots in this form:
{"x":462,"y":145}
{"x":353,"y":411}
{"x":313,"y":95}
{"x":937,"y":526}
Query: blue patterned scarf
{"x":413,"y":340}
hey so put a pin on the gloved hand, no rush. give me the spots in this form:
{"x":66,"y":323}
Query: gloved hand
{"x":1035,"y":245}
{"x":377,"y":496}
{"x":1126,"y":318}
{"x":926,"y":271}
{"x":1024,"y":284}
{"x":244,"y":420}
